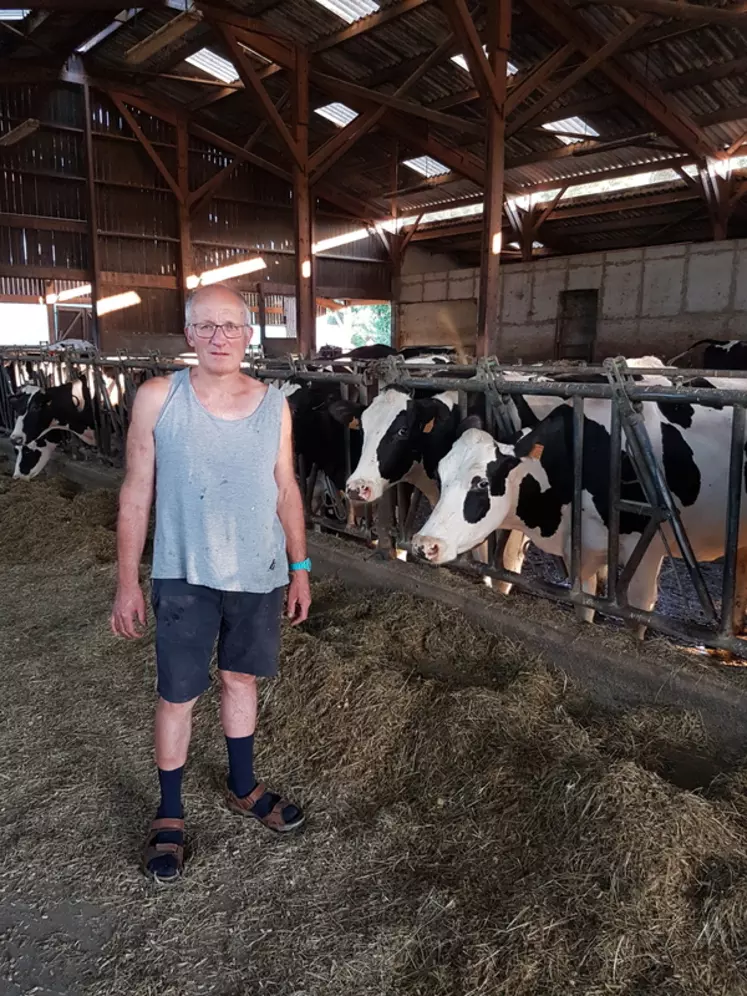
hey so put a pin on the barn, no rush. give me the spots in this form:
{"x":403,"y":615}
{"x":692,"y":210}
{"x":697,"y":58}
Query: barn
{"x":484,"y":266}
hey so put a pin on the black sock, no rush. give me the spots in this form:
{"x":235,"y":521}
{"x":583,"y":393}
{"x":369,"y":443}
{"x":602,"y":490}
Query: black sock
{"x":241,"y":780}
{"x":169,"y":808}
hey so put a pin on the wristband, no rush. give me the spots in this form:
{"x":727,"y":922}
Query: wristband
{"x":302,"y":565}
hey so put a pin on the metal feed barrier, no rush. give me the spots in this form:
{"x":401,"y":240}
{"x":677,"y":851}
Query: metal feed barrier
{"x":113,"y":381}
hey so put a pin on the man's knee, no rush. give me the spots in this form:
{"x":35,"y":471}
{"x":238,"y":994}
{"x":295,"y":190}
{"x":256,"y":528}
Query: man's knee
{"x":236,"y":683}
{"x":176,"y":709}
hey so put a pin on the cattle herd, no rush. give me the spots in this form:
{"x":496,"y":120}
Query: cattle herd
{"x":518,"y":479}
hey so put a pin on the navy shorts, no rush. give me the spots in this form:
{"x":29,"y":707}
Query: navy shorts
{"x":189,"y":620}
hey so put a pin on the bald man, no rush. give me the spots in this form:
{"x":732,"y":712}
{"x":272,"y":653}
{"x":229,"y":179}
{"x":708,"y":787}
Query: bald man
{"x":216,"y":447}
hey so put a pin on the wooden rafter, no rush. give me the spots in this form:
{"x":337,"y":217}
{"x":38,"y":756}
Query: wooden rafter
{"x":141,"y":137}
{"x":251,"y":82}
{"x":322,"y":158}
{"x":479,"y":66}
{"x":681,"y":10}
{"x":648,"y":97}
{"x":538,"y":75}
{"x":570,"y":80}
{"x":365,"y":24}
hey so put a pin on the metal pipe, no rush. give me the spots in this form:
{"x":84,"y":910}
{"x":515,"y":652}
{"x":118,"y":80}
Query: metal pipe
{"x":613,"y":511}
{"x":733,"y":511}
{"x":577,"y":506}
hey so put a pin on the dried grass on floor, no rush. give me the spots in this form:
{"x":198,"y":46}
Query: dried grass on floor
{"x":475,"y":827}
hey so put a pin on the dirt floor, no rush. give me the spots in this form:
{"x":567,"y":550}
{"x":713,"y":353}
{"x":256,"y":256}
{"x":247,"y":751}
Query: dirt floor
{"x":475,"y":826}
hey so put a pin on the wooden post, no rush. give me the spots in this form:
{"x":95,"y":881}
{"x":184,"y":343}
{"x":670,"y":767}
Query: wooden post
{"x":94,"y":256}
{"x":488,"y":329}
{"x":182,"y":206}
{"x":262,"y":315}
{"x":303,"y":211}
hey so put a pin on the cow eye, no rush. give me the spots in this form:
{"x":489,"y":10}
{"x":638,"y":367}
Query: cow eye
{"x":483,"y":484}
{"x":401,"y":433}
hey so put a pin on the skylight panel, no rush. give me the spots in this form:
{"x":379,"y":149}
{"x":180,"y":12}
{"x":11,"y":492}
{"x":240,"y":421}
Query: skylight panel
{"x":426,"y":166}
{"x":13,"y":15}
{"x":339,"y":114}
{"x":350,"y":10}
{"x":214,"y":65}
{"x":511,"y":69}
{"x":582,"y":128}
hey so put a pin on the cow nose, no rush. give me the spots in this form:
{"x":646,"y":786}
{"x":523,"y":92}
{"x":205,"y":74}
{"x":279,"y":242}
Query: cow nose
{"x":16,"y":440}
{"x":428,"y":548}
{"x":359,"y":492}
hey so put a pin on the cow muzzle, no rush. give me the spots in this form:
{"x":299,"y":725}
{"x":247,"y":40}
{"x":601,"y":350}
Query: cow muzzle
{"x":16,"y":440}
{"x":430,"y":548}
{"x":361,"y":491}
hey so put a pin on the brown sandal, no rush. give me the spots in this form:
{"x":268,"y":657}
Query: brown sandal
{"x":244,"y":806}
{"x":153,"y":849}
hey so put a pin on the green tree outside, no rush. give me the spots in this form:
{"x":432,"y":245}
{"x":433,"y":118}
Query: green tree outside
{"x":372,"y":324}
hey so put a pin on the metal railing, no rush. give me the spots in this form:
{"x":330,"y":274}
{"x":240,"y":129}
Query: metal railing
{"x":113,"y":382}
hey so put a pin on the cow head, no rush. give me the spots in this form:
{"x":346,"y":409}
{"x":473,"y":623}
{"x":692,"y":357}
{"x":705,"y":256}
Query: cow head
{"x":396,"y":429}
{"x":477,"y":496}
{"x":32,"y":459}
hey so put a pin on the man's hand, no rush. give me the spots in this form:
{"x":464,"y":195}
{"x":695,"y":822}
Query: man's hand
{"x":299,"y":598}
{"x":128,"y":615}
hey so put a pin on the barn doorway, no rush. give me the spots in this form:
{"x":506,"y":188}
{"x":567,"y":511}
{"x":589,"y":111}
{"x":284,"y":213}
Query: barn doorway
{"x":577,"y":325}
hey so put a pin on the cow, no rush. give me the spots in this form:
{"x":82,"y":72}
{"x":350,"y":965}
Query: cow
{"x":713,"y":354}
{"x":319,"y":435}
{"x":42,"y":418}
{"x":528,"y":486}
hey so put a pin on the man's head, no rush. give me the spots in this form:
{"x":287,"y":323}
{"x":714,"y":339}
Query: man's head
{"x":217,"y":328}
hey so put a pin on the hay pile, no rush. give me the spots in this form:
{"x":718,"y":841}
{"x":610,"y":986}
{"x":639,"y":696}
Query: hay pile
{"x":475,"y":827}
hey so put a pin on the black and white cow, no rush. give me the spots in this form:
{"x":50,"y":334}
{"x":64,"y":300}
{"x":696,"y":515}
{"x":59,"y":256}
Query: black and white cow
{"x":713,"y":354}
{"x":528,"y":486}
{"x":43,"y":416}
{"x":319,"y":433}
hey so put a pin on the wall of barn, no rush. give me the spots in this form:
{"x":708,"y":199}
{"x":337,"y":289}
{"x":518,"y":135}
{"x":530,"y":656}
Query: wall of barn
{"x":655,"y":300}
{"x":44,"y":244}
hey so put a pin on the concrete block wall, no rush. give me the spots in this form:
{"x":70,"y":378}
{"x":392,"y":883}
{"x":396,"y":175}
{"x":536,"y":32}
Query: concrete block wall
{"x":655,"y":300}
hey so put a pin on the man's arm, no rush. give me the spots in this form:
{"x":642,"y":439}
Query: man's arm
{"x":291,"y":515}
{"x":135,"y":500}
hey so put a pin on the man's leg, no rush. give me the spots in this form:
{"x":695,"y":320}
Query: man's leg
{"x":248,"y":646}
{"x":173,"y":729}
{"x":187,"y":624}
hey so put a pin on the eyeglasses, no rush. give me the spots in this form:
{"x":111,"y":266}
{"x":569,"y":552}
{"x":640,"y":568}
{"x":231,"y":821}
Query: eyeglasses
{"x":206,"y":330}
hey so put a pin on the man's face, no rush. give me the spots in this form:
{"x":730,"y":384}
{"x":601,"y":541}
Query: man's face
{"x":218,"y":353}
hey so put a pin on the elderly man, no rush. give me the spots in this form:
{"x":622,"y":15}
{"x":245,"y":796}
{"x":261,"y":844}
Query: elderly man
{"x":217,"y":448}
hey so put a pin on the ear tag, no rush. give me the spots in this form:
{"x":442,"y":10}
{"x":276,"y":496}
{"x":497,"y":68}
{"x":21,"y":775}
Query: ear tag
{"x":354,"y":423}
{"x":536,"y":451}
{"x":429,"y":425}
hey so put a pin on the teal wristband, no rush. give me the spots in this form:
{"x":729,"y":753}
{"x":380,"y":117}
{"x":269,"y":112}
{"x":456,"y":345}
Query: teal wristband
{"x":302,"y":565}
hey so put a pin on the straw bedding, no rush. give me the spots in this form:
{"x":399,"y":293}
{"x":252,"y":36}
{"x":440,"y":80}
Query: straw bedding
{"x":475,"y":826}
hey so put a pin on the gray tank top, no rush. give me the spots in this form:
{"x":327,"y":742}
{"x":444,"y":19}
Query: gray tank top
{"x":216,"y":497}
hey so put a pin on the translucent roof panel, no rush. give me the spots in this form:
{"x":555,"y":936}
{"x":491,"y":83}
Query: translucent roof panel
{"x":350,"y":10}
{"x":426,"y":166}
{"x":577,"y":125}
{"x":339,"y":114}
{"x":214,"y":65}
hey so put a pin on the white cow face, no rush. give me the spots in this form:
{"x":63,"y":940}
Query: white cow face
{"x":386,"y":455}
{"x":477,"y":496}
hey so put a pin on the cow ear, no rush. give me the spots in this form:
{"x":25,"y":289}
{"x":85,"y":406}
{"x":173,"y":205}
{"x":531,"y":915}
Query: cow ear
{"x":471,"y":422}
{"x":346,"y":413}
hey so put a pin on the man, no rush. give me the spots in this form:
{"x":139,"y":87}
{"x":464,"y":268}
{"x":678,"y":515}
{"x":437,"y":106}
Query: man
{"x":217,"y":447}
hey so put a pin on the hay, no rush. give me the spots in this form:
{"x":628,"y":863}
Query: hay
{"x":475,"y":827}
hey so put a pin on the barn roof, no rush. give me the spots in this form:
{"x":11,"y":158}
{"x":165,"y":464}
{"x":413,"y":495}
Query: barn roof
{"x":655,"y":85}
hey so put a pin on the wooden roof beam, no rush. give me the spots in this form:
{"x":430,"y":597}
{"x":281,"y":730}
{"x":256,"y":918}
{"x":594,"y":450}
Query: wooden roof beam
{"x":365,"y":24}
{"x":479,"y":65}
{"x":648,"y":97}
{"x":151,"y":152}
{"x":577,"y":74}
{"x":680,"y":10}
{"x":537,"y":76}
